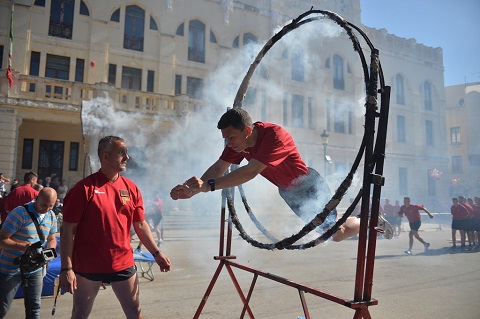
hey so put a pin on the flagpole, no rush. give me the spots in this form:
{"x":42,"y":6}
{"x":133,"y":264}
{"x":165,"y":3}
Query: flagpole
{"x":10,"y":53}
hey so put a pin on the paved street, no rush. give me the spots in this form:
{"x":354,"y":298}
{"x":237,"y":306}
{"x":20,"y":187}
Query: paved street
{"x":440,"y":284}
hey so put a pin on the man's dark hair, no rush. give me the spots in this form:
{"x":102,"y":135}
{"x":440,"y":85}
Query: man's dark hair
{"x":29,"y":176}
{"x":106,"y":142}
{"x":237,"y":118}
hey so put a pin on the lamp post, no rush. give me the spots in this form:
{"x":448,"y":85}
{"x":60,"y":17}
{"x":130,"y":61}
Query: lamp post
{"x":325,"y":137}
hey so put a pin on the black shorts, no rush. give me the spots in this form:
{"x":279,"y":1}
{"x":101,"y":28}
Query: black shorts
{"x":415,"y":225}
{"x":110,"y":277}
{"x":458,"y":224}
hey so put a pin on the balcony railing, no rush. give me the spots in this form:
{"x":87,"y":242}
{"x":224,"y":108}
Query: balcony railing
{"x":38,"y":89}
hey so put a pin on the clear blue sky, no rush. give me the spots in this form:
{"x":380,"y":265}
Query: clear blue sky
{"x":453,"y":25}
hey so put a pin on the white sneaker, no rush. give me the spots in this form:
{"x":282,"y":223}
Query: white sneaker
{"x":384,"y":227}
{"x":408,"y":252}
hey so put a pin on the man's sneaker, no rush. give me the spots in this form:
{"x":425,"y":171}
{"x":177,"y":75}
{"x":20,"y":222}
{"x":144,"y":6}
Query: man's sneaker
{"x":426,"y":245}
{"x":408,"y":252}
{"x":384,"y":227}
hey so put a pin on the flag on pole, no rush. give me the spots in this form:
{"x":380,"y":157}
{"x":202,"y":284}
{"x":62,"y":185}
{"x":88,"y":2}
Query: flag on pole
{"x":9,"y":68}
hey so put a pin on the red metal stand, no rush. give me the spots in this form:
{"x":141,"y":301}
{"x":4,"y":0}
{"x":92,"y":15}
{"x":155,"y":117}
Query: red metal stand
{"x":366,"y":244}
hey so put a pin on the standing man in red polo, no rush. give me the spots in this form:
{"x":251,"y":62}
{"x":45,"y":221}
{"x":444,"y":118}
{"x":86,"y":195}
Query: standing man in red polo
{"x":22,"y":194}
{"x":412,"y":211}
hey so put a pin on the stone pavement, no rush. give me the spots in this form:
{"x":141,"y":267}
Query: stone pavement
{"x":440,"y":284}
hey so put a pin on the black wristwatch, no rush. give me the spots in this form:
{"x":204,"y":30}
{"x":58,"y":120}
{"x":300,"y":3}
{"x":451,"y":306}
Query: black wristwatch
{"x":211,"y":182}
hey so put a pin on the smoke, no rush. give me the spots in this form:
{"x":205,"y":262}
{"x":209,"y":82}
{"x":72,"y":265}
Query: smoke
{"x":163,"y":158}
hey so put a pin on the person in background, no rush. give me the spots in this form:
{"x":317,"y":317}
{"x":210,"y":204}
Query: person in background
{"x":154,"y":216}
{"x":22,"y":194}
{"x":476,"y":218}
{"x":460,"y":217}
{"x":18,"y":233}
{"x":468,"y":226}
{"x":412,"y":211}
{"x":95,"y":238}
{"x":272,"y":153}
{"x":62,"y":190}
{"x":47,"y":182}
{"x":3,"y":183}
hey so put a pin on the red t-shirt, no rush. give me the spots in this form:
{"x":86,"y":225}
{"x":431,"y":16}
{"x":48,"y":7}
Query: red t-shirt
{"x":459,"y":212}
{"x":104,"y":212}
{"x":412,"y":212}
{"x":276,"y":149}
{"x":476,"y":211}
{"x":19,"y":196}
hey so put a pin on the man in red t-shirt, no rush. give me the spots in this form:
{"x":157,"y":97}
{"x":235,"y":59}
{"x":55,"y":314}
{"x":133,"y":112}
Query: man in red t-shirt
{"x":460,"y":217}
{"x":412,"y":212}
{"x":22,"y":194}
{"x":272,"y":153}
{"x":98,"y":214}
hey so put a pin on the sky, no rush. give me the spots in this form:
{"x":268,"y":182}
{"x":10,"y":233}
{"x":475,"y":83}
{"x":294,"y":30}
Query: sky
{"x":453,"y":25}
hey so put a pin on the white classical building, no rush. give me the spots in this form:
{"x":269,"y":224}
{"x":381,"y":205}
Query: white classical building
{"x":161,"y":72}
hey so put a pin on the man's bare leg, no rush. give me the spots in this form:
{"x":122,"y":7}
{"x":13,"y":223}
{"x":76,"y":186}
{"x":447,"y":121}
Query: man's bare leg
{"x":127,"y":292}
{"x":84,"y":296}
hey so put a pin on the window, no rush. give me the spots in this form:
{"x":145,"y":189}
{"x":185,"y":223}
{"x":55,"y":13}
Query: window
{"x":455,"y":135}
{"x":400,"y":92}
{"x":196,"y":41}
{"x":134,"y":28}
{"x":264,"y":105}
{"x":115,"y":17}
{"x":250,"y":96}
{"x":310,"y":112}
{"x":84,"y":9}
{"x":429,"y":132}
{"x":180,"y":29}
{"x":27,"y":155}
{"x":61,"y":18}
{"x":236,"y":43}
{"x":328,"y":115}
{"x":213,"y":38}
{"x":150,"y":80}
{"x":285,"y":109}
{"x":338,"y":81}
{"x":1,"y":56}
{"x":131,"y":78}
{"x":249,"y":38}
{"x":195,"y":88}
{"x":350,"y":122}
{"x":401,"y":138}
{"x":402,"y":181}
{"x":79,"y":70}
{"x":457,"y":164}
{"x":40,"y":3}
{"x":50,"y":158}
{"x":112,"y":74}
{"x":74,"y":155}
{"x":153,"y":24}
{"x":338,"y":120}
{"x":34,"y":67}
{"x":298,"y":67}
{"x":297,"y":110}
{"x":57,"y":67}
{"x":431,"y":185}
{"x":427,"y":95}
{"x":178,"y":84}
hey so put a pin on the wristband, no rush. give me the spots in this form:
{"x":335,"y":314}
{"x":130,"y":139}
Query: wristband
{"x":156,"y":253}
{"x":211,"y":182}
{"x":66,"y":269}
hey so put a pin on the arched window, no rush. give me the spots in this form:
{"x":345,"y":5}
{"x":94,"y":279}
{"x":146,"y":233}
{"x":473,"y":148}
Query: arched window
{"x":180,"y":29}
{"x":134,"y":33}
{"x":115,"y":17}
{"x":84,"y":9}
{"x":338,"y":80}
{"x":153,"y":24}
{"x":213,"y":38}
{"x":400,"y":90}
{"x":236,"y":43}
{"x":297,"y":65}
{"x":427,"y":95}
{"x":61,"y":18}
{"x":196,"y":41}
{"x":249,"y":38}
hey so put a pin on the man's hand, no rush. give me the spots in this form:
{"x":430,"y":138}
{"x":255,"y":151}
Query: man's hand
{"x":191,"y":187}
{"x":68,"y":281}
{"x":163,"y":261}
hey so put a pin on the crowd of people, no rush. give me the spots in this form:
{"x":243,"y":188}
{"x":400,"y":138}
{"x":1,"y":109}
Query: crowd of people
{"x":466,"y":220}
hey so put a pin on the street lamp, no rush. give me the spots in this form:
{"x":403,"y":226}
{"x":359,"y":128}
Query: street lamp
{"x":325,"y":137}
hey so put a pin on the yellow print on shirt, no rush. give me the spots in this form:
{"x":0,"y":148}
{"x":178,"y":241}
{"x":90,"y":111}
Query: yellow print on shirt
{"x":125,"y":196}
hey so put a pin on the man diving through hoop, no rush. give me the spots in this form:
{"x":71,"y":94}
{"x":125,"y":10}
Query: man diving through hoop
{"x":272,"y":153}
